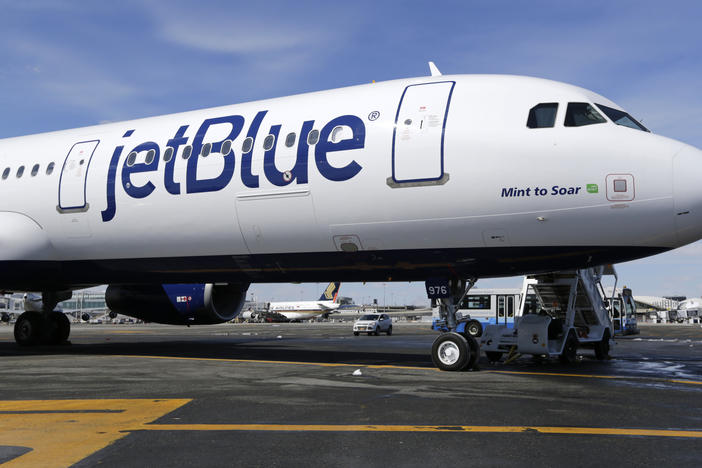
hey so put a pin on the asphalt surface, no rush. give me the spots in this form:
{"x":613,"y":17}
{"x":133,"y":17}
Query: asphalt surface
{"x":285,"y":395}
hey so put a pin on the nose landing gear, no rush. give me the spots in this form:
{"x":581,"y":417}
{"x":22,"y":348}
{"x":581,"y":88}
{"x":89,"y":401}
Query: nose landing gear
{"x":451,"y":351}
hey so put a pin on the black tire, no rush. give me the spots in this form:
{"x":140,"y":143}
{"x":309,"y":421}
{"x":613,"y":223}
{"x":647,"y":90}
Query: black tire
{"x":389,"y":332}
{"x":474,"y":353}
{"x":450,"y":352}
{"x":602,"y":347}
{"x":493,"y":356}
{"x":474,"y":329}
{"x":377,"y":330}
{"x":63,"y":328}
{"x":355,"y":333}
{"x":570,"y":350}
{"x":29,"y":329}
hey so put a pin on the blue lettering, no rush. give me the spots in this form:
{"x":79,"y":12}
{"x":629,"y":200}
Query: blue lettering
{"x":127,"y":171}
{"x":195,"y":185}
{"x":109,"y":212}
{"x":247,"y":177}
{"x":324,"y":146}
{"x":178,"y":139}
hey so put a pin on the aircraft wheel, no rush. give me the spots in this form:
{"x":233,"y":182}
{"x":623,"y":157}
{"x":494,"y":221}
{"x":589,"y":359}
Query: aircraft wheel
{"x":28,"y":329}
{"x":570,"y":350}
{"x":474,"y":328}
{"x":60,"y":329}
{"x":602,"y":347}
{"x":474,"y":353}
{"x":451,"y":352}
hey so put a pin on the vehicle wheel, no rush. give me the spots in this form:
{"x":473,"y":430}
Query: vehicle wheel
{"x":62,"y":328}
{"x":389,"y":332}
{"x":493,"y":356}
{"x":602,"y":347}
{"x":570,"y":350}
{"x":377,"y":330}
{"x":355,"y":333}
{"x":28,"y":329}
{"x":474,"y":348}
{"x":450,"y":352}
{"x":474,"y":328}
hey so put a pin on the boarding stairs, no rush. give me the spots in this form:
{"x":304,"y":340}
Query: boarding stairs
{"x":570,"y":302}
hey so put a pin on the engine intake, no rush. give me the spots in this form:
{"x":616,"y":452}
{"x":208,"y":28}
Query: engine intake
{"x":178,"y":304}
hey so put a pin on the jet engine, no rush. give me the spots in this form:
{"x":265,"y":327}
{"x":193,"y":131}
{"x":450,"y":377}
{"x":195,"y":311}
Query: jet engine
{"x":178,"y":304}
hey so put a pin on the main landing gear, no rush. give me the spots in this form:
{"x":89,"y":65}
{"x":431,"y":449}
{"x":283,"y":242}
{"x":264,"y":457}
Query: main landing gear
{"x":452,"y":351}
{"x":45,"y":326}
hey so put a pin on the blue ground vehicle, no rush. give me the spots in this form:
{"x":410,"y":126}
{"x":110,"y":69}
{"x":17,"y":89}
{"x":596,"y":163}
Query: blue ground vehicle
{"x":482,"y":307}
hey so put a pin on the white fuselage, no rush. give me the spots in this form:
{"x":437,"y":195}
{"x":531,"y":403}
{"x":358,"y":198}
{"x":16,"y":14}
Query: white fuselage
{"x":408,"y":179}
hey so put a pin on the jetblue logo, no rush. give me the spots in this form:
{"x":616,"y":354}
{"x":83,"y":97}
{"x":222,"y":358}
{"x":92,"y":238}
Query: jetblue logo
{"x":234,"y":125}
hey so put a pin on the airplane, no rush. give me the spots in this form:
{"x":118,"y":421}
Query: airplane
{"x":305,"y":310}
{"x":443,"y":179}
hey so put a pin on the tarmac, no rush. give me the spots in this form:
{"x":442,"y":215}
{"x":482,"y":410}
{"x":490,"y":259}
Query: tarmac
{"x":291,"y":395}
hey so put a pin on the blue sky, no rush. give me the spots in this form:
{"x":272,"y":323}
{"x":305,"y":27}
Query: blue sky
{"x":66,"y":64}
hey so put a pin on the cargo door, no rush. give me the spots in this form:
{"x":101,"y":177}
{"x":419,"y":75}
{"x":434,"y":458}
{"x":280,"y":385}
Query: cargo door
{"x":418,"y":137}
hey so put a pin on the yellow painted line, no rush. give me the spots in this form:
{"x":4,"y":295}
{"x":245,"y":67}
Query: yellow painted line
{"x":403,"y":428}
{"x":63,"y":432}
{"x":390,"y":366}
{"x":261,"y":361}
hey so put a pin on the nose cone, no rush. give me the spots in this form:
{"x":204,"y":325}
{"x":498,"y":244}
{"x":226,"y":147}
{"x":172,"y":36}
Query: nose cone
{"x":687,"y":194}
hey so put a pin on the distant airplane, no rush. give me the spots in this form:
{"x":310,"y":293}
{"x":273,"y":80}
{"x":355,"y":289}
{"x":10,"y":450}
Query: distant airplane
{"x":442,"y":179}
{"x":305,"y":310}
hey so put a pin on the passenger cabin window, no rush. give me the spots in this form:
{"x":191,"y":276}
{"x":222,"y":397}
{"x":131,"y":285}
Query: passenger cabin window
{"x":268,"y":142}
{"x":622,"y":118}
{"x":313,"y":137}
{"x":168,"y":154}
{"x":50,"y":168}
{"x":206,"y":150}
{"x":35,"y":170}
{"x":579,"y":114}
{"x":247,"y":145}
{"x":6,"y":173}
{"x":150,"y":156}
{"x":290,"y":140}
{"x":187,"y":151}
{"x":542,"y":115}
{"x":131,"y":159}
{"x":226,"y":147}
{"x":20,"y":171}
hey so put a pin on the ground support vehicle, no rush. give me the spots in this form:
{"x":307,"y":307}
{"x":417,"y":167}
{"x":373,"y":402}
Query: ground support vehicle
{"x":560,"y":312}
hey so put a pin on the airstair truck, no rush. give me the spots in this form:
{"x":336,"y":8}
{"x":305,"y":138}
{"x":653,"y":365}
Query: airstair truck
{"x":559,"y":313}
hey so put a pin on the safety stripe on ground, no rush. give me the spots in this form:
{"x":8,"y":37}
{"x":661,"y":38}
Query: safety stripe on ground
{"x":391,"y":366}
{"x":407,"y":428}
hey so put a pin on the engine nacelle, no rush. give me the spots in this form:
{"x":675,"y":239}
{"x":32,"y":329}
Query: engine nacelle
{"x":178,"y":304}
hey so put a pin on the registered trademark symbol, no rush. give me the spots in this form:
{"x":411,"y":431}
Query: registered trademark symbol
{"x":374,"y":115}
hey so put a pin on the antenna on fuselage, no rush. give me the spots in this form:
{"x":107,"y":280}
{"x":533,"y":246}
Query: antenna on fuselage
{"x":434,"y":70}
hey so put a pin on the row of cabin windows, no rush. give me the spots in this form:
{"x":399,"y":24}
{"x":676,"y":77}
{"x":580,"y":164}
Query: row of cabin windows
{"x":579,"y":114}
{"x":246,"y":146}
{"x":34,"y":172}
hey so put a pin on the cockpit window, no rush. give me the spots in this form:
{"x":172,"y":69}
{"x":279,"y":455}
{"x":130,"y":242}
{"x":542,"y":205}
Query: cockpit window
{"x":582,"y":113}
{"x":542,"y":115}
{"x":622,"y":118}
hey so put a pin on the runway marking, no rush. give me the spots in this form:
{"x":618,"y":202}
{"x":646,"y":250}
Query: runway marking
{"x":63,"y":432}
{"x":391,"y":366}
{"x":407,"y":428}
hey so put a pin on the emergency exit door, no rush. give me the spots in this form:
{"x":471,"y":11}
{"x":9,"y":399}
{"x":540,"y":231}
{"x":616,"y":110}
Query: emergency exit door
{"x":418,"y":138}
{"x":74,"y":177}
